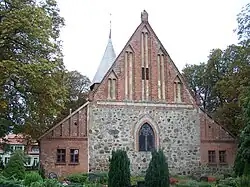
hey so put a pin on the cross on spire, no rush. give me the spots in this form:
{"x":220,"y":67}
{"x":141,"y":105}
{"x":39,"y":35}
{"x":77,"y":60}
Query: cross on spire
{"x":110,"y":27}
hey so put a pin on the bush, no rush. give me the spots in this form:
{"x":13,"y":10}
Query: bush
{"x":9,"y":183}
{"x":32,"y":177}
{"x":37,"y":184}
{"x":157,"y":173}
{"x":41,"y":171}
{"x":15,"y":168}
{"x":78,"y":178}
{"x":228,"y":182}
{"x":51,"y":183}
{"x":135,"y":179}
{"x":119,"y":171}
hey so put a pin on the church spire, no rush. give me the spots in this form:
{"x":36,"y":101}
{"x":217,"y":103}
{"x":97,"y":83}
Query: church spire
{"x":110,"y":27}
{"x":108,"y":59}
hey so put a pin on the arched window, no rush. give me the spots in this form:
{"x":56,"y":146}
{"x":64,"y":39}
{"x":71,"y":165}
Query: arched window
{"x":146,"y":138}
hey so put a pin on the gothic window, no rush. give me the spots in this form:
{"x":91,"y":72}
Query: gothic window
{"x":146,"y":138}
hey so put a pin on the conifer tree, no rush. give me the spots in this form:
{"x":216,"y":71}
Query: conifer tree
{"x":157,"y":173}
{"x":119,"y":171}
{"x":15,"y":167}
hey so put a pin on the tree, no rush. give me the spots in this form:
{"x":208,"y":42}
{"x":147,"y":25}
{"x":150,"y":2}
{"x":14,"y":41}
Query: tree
{"x":243,"y":153}
{"x":32,"y":90}
{"x":119,"y":171}
{"x":157,"y":173}
{"x":219,"y":84}
{"x":243,"y":20}
{"x":78,"y":89}
{"x":15,"y":167}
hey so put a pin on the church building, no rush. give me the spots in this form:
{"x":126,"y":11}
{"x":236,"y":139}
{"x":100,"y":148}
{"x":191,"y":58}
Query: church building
{"x":138,"y":102}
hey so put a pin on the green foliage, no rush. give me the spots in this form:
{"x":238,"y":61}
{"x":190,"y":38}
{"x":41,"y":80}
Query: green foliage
{"x":41,"y":171}
{"x":37,"y":184}
{"x":219,"y":84}
{"x":157,"y":173}
{"x":80,"y":178}
{"x":32,"y":87}
{"x":119,"y":171}
{"x":15,"y":167}
{"x":229,"y":182}
{"x":51,"y":183}
{"x":242,"y":161}
{"x":9,"y":183}
{"x":135,"y":179}
{"x":192,"y":183}
{"x":32,"y":177}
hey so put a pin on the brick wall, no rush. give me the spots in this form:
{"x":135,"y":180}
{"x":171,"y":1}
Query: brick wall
{"x":100,"y":92}
{"x":71,"y":133}
{"x":215,"y":138}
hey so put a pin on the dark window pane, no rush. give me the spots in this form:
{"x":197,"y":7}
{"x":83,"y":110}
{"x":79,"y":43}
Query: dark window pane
{"x":150,"y":143}
{"x":147,"y":74}
{"x":146,"y":138}
{"x":74,"y":155}
{"x":142,"y":143}
{"x":143,"y":73}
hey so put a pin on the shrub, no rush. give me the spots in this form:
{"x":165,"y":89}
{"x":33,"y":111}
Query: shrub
{"x":32,"y":177}
{"x":228,"y":182}
{"x":9,"y":183}
{"x":37,"y":184}
{"x":119,"y":171}
{"x":77,"y":178}
{"x":157,"y":173}
{"x":15,"y":168}
{"x":51,"y":183}
{"x":41,"y":171}
{"x":135,"y":179}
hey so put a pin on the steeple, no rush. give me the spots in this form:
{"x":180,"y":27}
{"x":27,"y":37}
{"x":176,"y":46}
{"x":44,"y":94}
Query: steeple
{"x":107,"y":61}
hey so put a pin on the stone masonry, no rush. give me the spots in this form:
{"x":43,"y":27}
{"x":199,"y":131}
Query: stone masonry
{"x":116,"y":128}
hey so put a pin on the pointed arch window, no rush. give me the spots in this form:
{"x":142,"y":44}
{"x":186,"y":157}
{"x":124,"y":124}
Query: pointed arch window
{"x":146,"y":138}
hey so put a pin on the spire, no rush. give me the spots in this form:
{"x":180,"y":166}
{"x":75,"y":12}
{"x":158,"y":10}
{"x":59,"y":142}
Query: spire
{"x":107,"y":61}
{"x":110,"y":27}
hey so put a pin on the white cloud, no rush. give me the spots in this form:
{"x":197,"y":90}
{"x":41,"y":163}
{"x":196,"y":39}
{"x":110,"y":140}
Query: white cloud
{"x":188,"y":29}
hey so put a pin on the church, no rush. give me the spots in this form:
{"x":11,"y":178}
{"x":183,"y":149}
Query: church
{"x":138,"y":102}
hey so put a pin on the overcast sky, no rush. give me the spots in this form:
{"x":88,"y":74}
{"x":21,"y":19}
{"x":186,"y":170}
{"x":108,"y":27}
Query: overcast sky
{"x":188,"y":29}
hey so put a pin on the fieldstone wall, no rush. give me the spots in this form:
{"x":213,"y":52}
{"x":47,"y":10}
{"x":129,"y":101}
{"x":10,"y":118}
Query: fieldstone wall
{"x":114,"y":127}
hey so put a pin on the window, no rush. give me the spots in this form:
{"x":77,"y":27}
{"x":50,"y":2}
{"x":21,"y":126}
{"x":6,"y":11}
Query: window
{"x":145,"y":74}
{"x":28,"y":161}
{"x":74,"y":155}
{"x":35,"y":162}
{"x":222,"y":156}
{"x":61,"y":155}
{"x":211,"y":157}
{"x":146,"y":138}
{"x":35,"y":149}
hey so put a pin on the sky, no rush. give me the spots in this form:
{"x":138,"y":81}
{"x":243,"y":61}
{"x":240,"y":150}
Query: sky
{"x":188,"y":29}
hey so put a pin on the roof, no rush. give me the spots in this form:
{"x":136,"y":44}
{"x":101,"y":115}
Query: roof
{"x":13,"y":139}
{"x":106,"y":62}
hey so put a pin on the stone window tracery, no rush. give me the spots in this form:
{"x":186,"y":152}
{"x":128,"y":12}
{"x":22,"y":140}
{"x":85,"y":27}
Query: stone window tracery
{"x":146,"y":138}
